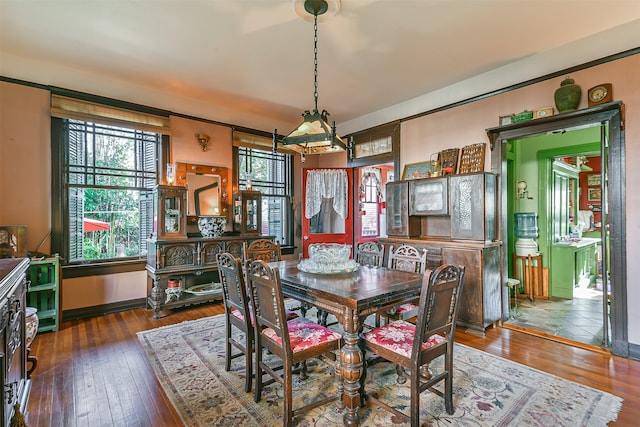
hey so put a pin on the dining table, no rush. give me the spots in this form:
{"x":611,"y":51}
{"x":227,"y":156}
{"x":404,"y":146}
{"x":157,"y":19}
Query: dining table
{"x":351,"y":297}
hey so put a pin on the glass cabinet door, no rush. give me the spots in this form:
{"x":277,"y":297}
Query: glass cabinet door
{"x":169,"y":215}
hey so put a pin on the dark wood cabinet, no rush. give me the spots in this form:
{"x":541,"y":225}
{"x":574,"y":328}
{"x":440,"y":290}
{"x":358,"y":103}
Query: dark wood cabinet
{"x":473,"y":206}
{"x":169,"y":215}
{"x":13,"y":356}
{"x":399,"y":222}
{"x":247,"y":212}
{"x":189,"y":262}
{"x":480,"y":304}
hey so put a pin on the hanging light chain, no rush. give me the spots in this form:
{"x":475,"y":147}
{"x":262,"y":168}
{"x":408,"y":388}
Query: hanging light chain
{"x":315,"y":61}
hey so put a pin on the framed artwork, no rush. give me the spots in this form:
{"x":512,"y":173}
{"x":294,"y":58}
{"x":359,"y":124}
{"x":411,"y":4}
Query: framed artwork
{"x":416,"y":170}
{"x":594,"y":179}
{"x":595,"y":195}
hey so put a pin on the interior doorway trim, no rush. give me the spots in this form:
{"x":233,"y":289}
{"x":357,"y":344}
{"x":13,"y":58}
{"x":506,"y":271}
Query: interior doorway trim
{"x":611,"y":116}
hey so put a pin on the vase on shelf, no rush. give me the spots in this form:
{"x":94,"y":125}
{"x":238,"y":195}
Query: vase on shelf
{"x":31,"y":325}
{"x":567,"y":96}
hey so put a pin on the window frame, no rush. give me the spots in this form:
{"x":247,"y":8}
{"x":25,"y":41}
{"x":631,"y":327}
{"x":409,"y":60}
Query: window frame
{"x":60,"y":239}
{"x":240,"y":184}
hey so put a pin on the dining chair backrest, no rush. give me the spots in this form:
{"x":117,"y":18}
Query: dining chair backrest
{"x":234,"y":291}
{"x":370,"y":253}
{"x":439,"y":304}
{"x":408,"y":258}
{"x":267,"y":300}
{"x":263,"y":249}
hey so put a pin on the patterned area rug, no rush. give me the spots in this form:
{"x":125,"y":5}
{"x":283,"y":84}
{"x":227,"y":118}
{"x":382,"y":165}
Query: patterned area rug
{"x":188,"y":359}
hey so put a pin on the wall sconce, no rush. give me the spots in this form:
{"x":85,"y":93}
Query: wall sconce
{"x":203,"y":140}
{"x":521,"y":188}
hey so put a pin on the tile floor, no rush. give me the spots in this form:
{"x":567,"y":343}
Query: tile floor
{"x":579,"y":319}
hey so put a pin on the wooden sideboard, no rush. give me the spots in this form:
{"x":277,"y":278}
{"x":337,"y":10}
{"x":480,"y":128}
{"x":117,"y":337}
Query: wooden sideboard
{"x":13,"y":357}
{"x":480,"y":304}
{"x":192,"y":262}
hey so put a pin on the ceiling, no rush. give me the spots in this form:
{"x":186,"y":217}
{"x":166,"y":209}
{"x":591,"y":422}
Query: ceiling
{"x":250,"y":62}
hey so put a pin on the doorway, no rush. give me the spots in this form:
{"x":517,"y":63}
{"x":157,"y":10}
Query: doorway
{"x":554,"y":181}
{"x":607,"y":120}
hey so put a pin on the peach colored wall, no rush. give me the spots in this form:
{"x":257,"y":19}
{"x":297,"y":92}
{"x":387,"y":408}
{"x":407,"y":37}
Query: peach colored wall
{"x":97,"y":290}
{"x":25,"y":162}
{"x":185,"y":147}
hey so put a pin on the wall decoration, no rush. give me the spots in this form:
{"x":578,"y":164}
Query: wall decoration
{"x":595,"y":195}
{"x":594,"y":179}
{"x":416,"y":170}
{"x":472,"y":158}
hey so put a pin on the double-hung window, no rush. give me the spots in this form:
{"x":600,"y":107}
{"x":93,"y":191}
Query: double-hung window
{"x":259,"y":168}
{"x":107,"y":172}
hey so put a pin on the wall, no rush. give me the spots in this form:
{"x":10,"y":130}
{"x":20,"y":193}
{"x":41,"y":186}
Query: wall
{"x":25,"y":162}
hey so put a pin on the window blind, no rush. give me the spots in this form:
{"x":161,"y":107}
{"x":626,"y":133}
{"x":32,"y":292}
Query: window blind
{"x":71,"y":108}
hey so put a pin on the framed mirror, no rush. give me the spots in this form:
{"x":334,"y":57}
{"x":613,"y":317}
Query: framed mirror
{"x":208,"y":189}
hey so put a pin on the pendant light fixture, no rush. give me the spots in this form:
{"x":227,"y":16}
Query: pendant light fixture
{"x":314,"y":135}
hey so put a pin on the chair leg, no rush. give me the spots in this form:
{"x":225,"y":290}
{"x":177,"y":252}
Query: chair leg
{"x":337,"y":366}
{"x":415,"y":399}
{"x":257,"y":393}
{"x":401,"y":375}
{"x":303,"y":371}
{"x":227,"y":362}
{"x":288,"y":395}
{"x":248,"y":360}
{"x":448,"y":381}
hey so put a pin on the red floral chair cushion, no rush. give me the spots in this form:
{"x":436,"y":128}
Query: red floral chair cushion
{"x":239,"y":315}
{"x":303,"y":334}
{"x":398,"y":337}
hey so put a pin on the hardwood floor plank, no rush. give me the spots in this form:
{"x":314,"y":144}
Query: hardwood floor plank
{"x":94,"y":372}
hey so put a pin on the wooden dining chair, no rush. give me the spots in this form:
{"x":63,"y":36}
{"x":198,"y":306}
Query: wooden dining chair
{"x":237,"y":313}
{"x":292,"y":342}
{"x":406,"y":258}
{"x":264,"y":249}
{"x":369,"y":253}
{"x":413,"y":347}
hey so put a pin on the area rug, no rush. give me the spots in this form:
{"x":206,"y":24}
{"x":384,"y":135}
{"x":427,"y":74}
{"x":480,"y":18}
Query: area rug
{"x":188,"y":359}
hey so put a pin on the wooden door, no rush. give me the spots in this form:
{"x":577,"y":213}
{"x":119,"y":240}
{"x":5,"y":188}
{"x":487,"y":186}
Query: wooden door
{"x":325,"y":224}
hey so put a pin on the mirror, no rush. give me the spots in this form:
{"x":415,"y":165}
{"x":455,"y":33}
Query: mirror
{"x":207,"y":188}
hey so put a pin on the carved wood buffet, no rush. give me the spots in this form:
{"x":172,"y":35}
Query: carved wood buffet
{"x":454,"y":219}
{"x":187,"y":262}
{"x":13,"y":356}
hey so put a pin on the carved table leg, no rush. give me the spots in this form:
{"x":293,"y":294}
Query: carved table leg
{"x":351,"y":359}
{"x":156,"y":298}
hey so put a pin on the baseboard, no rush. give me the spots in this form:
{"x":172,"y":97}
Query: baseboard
{"x":634,"y":351}
{"x":101,"y":310}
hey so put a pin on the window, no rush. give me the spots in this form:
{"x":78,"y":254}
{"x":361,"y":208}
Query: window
{"x":104,"y":161}
{"x":271,"y":174}
{"x":109,"y":172}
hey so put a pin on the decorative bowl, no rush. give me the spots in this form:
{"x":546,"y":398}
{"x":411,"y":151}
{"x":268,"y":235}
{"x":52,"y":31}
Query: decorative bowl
{"x":329,"y":252}
{"x":328,"y":258}
{"x":212,"y":226}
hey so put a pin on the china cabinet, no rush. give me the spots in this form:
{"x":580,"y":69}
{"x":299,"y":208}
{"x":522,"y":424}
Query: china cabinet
{"x":169,"y":218}
{"x":247,"y":212}
{"x":399,"y":222}
{"x":13,"y":355}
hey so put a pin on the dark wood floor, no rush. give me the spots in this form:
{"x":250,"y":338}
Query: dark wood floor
{"x":94,"y":372}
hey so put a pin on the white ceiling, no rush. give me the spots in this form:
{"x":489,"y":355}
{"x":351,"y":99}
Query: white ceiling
{"x":250,"y":62}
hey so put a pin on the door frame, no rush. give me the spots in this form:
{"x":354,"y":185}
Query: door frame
{"x":609,"y":117}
